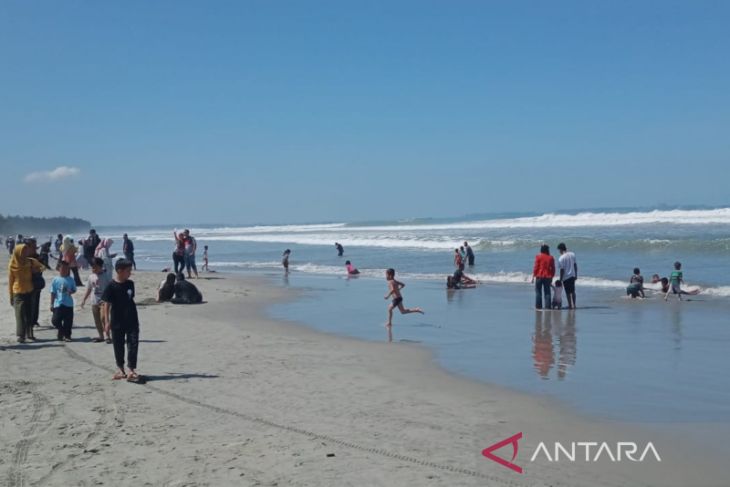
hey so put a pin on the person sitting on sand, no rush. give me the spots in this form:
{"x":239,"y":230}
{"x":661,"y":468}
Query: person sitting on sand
{"x":394,"y":288}
{"x":186,"y":292}
{"x":167,"y":288}
{"x":636,"y":285}
{"x":557,"y":302}
{"x":351,"y":269}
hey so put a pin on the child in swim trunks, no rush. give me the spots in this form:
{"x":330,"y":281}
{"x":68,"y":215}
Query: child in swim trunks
{"x":285,"y":260}
{"x":205,"y":260}
{"x":394,"y":288}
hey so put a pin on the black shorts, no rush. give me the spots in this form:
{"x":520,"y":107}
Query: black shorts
{"x":569,"y":285}
{"x":397,"y":301}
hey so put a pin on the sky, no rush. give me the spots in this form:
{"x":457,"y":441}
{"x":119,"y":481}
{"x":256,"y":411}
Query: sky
{"x":145,"y":112}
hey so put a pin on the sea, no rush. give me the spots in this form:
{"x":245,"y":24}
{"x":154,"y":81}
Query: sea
{"x":614,"y":357}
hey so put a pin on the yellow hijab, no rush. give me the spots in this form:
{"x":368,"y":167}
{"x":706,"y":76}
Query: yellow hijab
{"x":17,"y":261}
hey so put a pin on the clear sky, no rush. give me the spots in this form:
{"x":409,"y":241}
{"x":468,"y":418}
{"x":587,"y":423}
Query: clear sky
{"x":275,"y":111}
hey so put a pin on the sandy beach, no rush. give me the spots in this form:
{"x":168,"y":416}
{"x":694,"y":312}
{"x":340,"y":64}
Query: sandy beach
{"x":236,"y":398}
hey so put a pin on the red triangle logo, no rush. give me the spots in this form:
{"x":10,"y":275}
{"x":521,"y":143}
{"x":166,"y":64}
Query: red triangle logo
{"x":487,"y":452}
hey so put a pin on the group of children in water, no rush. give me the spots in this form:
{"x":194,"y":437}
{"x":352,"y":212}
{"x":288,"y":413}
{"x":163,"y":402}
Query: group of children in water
{"x":671,"y":285}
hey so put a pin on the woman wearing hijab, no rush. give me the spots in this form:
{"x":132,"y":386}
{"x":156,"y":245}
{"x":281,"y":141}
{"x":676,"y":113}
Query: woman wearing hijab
{"x":102,"y":252}
{"x":20,"y":288}
{"x":68,"y":251}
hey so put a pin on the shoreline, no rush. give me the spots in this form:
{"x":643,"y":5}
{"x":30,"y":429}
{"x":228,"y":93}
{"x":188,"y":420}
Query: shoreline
{"x":395,"y":418}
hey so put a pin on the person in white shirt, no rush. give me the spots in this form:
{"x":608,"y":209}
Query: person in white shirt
{"x":568,"y":273}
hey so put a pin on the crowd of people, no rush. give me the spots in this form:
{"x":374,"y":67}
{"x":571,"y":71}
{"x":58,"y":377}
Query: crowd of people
{"x":108,"y":287}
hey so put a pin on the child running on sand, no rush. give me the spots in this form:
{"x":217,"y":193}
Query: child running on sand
{"x":122,"y":320}
{"x":394,"y":288}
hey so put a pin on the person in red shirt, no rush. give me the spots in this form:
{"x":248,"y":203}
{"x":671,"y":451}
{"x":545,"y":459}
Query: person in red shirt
{"x":542,"y":275}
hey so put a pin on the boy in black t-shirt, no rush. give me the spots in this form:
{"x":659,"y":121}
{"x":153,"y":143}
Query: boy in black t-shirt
{"x":122,"y":320}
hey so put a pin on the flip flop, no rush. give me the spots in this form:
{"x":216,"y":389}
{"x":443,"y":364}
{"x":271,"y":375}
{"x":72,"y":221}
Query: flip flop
{"x":133,"y":377}
{"x":109,"y":341}
{"x":97,"y":340}
{"x":119,"y":376}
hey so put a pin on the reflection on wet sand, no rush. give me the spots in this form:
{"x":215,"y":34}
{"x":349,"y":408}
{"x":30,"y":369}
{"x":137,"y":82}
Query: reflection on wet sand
{"x":551,"y":327}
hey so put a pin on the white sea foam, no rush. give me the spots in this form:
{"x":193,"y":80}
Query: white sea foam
{"x":491,"y":278}
{"x":446,"y":235}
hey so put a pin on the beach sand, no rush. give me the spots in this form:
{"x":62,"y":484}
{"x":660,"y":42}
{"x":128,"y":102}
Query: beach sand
{"x":236,"y":398}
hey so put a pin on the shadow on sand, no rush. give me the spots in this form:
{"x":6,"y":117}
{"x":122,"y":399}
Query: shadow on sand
{"x":150,"y":378}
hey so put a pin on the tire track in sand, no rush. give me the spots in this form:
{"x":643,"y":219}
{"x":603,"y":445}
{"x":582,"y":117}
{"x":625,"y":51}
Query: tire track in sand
{"x":39,"y":423}
{"x":310,"y":434}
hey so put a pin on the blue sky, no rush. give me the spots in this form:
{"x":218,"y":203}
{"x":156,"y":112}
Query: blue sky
{"x":330,"y":111}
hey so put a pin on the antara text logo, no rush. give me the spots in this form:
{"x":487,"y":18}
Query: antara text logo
{"x":576,"y":451}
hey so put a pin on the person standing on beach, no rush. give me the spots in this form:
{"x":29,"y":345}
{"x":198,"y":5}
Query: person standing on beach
{"x":568,"y":273}
{"x":103,"y":253}
{"x":178,"y":255}
{"x":122,"y":321}
{"x":90,"y":244}
{"x":191,"y":246}
{"x":128,"y":250}
{"x":469,"y":254}
{"x":38,"y":282}
{"x":205,"y":260}
{"x":285,"y":260}
{"x":68,"y":249}
{"x":542,"y":275}
{"x":62,"y":304}
{"x":97,"y":282}
{"x":20,"y":288}
{"x":340,"y":249}
{"x":394,"y":288}
{"x":57,"y":246}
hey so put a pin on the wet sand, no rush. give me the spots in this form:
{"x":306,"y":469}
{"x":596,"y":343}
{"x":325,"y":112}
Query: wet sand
{"x":236,"y":398}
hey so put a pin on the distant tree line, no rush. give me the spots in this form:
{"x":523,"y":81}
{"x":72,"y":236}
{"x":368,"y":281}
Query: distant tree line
{"x":41,"y":227}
